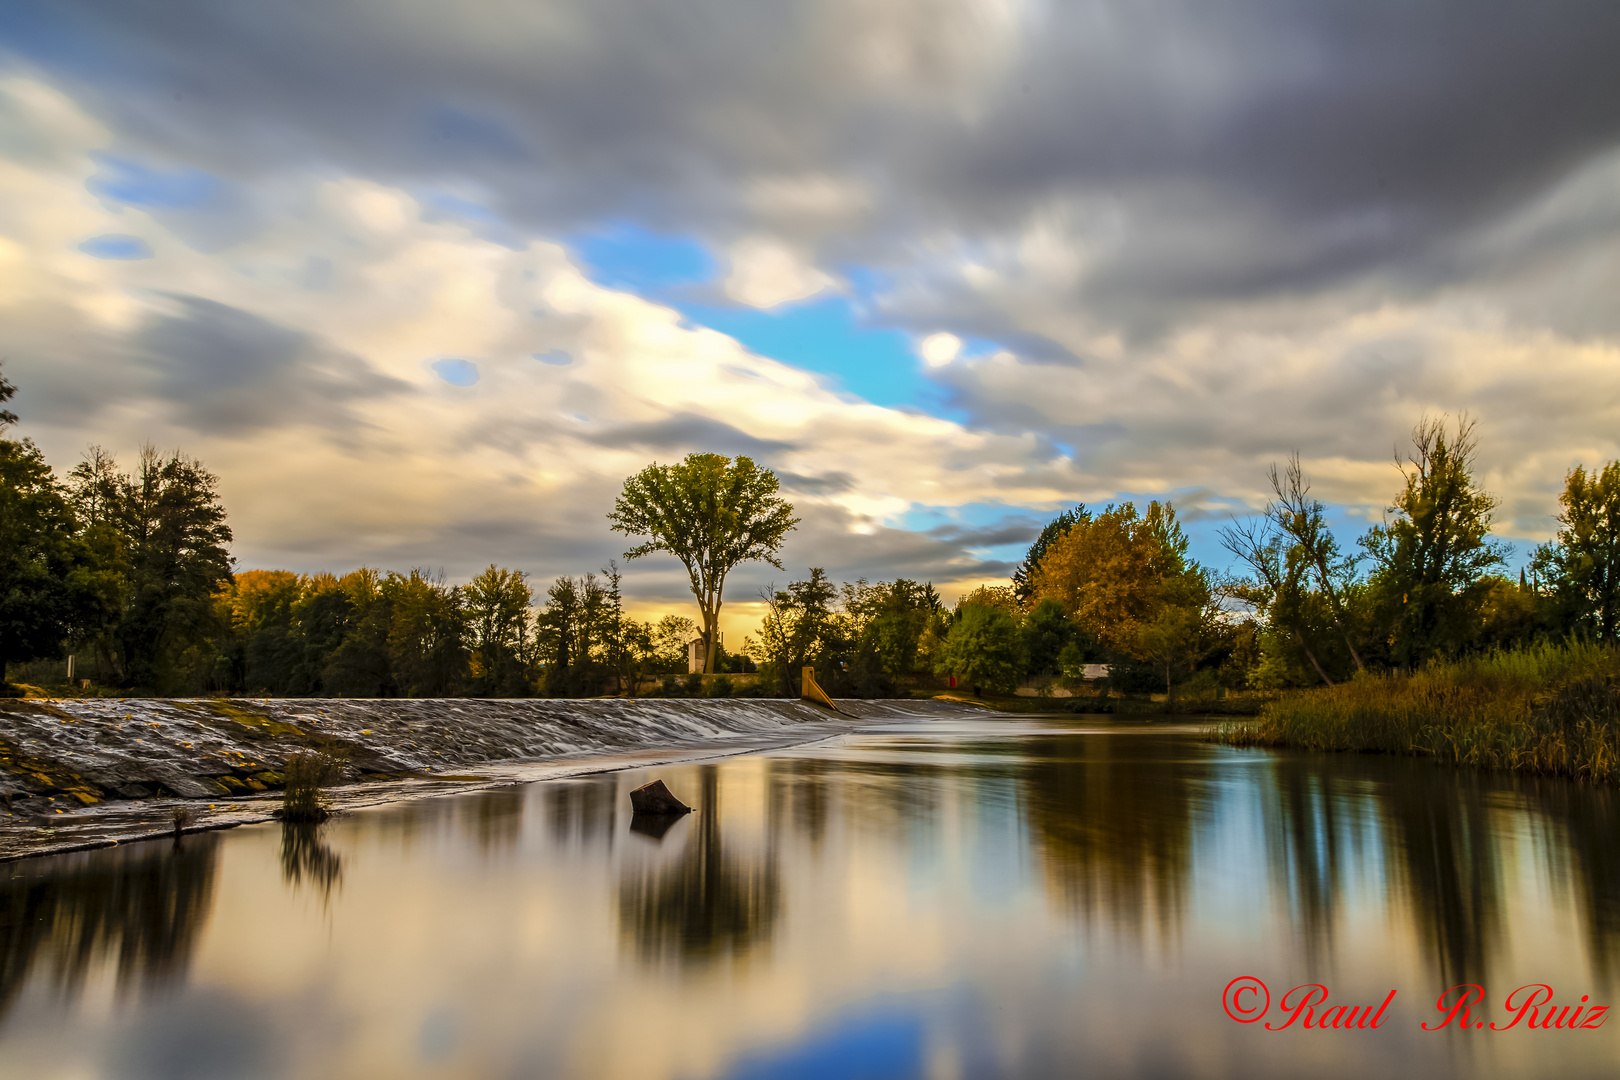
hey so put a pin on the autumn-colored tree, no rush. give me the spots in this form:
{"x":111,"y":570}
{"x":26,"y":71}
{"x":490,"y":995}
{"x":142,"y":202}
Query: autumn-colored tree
{"x":1114,"y":572}
{"x":710,"y":512}
{"x":1024,"y":573}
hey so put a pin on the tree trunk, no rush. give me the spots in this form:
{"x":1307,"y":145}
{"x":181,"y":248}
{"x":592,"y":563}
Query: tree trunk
{"x":711,"y":628}
{"x":1311,"y":657}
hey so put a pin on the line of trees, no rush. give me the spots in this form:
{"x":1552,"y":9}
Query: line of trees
{"x":124,"y":566}
{"x":1117,"y":588}
{"x":1114,"y":587}
{"x":376,"y":634}
{"x":130,"y":571}
{"x":1427,"y":582}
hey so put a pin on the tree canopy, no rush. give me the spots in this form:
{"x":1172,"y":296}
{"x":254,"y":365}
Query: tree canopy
{"x":712,"y":513}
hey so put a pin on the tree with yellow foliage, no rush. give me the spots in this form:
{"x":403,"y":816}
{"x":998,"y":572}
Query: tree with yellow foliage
{"x":1124,"y":577}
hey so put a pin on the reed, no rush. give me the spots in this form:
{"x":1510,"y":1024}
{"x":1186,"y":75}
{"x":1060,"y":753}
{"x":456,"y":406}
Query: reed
{"x":1552,"y":709}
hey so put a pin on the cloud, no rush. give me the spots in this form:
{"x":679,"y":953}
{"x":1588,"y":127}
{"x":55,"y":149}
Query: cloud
{"x":1140,"y":248}
{"x":347,"y":427}
{"x":229,"y":372}
{"x":766,"y":273}
{"x":937,"y":350}
{"x":684,"y":430}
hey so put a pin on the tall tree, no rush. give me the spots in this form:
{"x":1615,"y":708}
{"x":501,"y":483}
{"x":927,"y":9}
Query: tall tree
{"x":798,"y":628}
{"x":614,"y":627}
{"x":44,"y":565}
{"x":1302,"y":517}
{"x":1113,"y":571}
{"x":1277,"y":589}
{"x":51,"y":585}
{"x":1024,"y":573}
{"x":984,"y":649}
{"x":710,"y":512}
{"x":1582,"y":563}
{"x":427,"y":634}
{"x":497,"y":606}
{"x":176,"y":534}
{"x":1433,"y":554}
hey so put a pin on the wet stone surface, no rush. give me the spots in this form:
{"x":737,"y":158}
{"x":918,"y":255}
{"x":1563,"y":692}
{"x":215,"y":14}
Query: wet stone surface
{"x":88,"y":772}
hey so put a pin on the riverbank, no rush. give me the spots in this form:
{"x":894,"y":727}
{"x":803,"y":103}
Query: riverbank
{"x":1551,"y":710}
{"x":95,"y":771}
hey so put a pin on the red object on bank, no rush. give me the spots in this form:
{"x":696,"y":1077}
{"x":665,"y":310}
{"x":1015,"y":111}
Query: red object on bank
{"x":953,"y":682}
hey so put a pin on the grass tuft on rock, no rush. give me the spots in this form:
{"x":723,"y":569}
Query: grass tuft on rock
{"x":1552,"y":709}
{"x":307,"y":774}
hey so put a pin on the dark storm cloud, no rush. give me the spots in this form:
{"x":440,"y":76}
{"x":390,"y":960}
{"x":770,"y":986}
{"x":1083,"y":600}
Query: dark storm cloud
{"x":229,"y":371}
{"x":1015,"y":530}
{"x":1244,"y":147}
{"x":833,"y":483}
{"x":685,"y":431}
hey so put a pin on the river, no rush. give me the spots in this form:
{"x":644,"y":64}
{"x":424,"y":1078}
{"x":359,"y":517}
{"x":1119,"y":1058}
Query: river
{"x":1032,"y":897}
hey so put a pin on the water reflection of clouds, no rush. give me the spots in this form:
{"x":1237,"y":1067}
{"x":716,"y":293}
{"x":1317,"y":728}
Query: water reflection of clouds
{"x":996,"y":912}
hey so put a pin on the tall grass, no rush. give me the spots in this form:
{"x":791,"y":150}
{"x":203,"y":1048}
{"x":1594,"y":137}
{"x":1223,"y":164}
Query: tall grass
{"x":307,"y":773}
{"x":1552,"y":709}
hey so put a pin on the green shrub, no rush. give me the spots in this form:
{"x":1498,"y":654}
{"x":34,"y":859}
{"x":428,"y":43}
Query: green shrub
{"x":694,"y":684}
{"x":722,"y":686}
{"x":672,"y":686}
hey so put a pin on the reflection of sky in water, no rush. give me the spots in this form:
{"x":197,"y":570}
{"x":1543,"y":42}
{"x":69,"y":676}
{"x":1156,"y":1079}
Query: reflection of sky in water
{"x":956,"y":900}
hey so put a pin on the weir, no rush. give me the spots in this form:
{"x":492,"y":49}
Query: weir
{"x":87,"y":750}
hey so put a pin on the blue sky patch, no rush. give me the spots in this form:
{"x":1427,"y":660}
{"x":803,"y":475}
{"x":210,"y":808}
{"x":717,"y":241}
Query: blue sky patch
{"x":131,"y":182}
{"x":629,"y":257}
{"x":456,"y":372}
{"x":554,"y":356}
{"x":860,"y":1048}
{"x":826,"y":336}
{"x":116,"y":246}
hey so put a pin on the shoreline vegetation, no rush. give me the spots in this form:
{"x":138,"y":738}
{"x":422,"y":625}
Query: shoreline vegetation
{"x":1551,"y":709}
{"x":1413,"y":639}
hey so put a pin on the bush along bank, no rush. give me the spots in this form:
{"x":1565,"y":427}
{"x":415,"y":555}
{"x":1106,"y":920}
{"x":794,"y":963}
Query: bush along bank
{"x":1552,"y":709}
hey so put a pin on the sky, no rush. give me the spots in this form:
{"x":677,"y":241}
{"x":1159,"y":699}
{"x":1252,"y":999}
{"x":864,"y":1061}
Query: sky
{"x":423,"y":283}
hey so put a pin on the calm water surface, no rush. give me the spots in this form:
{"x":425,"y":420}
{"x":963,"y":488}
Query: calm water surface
{"x":1019,"y":898}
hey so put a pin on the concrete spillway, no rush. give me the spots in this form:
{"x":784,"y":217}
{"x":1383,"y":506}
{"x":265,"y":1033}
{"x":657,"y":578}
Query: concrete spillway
{"x":66,"y":762}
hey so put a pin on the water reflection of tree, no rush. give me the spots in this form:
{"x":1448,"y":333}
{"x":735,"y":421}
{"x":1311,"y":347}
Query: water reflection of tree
{"x":708,"y":903}
{"x":1437,"y":847}
{"x":1114,"y":830}
{"x":1444,"y":855}
{"x":495,"y":817}
{"x":581,"y":811}
{"x":1590,"y":839}
{"x":306,"y":858}
{"x":142,"y":909}
{"x":1314,"y":816}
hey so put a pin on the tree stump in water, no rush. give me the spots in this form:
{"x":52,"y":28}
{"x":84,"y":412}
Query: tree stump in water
{"x":655,"y":798}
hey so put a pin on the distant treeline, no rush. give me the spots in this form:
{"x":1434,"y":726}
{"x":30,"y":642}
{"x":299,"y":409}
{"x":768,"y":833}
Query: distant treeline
{"x":130,"y":573}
